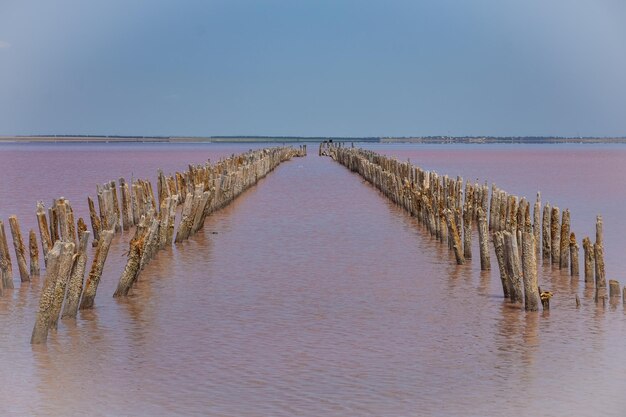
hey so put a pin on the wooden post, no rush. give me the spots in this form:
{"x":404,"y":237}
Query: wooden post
{"x":54,"y":222}
{"x":116,"y":206}
{"x":61,"y":253}
{"x":573,"y":251}
{"x":545,"y":299}
{"x":135,"y":252}
{"x":565,"y":231}
{"x":483,"y":240}
{"x":589,"y":258}
{"x":20,"y":250}
{"x":514,"y":267}
{"x":95,"y":221}
{"x":457,"y":246}
{"x":599,"y":255}
{"x":77,"y":276}
{"x":537,"y":222}
{"x":529,"y":269}
{"x":65,"y":269}
{"x":614,"y":290}
{"x":5,"y":259}
{"x":545,"y":228}
{"x":467,"y":231}
{"x":102,"y":250}
{"x":34,"y":253}
{"x":44,"y":231}
{"x":127,"y":221}
{"x":555,"y":235}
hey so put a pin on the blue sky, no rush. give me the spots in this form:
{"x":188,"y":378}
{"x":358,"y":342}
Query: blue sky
{"x":330,"y":68}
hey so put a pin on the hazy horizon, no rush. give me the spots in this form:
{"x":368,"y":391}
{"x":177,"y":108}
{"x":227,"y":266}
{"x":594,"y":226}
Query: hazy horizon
{"x":324,"y":69}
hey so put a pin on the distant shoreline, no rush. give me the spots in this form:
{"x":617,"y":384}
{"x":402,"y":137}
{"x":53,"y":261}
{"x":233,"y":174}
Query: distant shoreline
{"x":295,"y":139}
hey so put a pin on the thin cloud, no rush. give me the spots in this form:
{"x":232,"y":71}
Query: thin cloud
{"x":4,"y":44}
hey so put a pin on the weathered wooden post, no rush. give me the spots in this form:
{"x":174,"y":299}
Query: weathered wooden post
{"x":95,"y":221}
{"x":20,"y":250}
{"x":34,"y":253}
{"x":529,"y":270}
{"x":514,"y":267}
{"x":135,"y":253}
{"x":65,"y":269}
{"x":457,"y":246}
{"x":614,"y":289}
{"x":5,"y":259}
{"x":60,"y":255}
{"x":467,"y":231}
{"x":573,"y":250}
{"x":545,"y":299}
{"x":77,"y":276}
{"x":483,"y":240}
{"x":126,"y":205}
{"x":565,"y":231}
{"x":44,"y":231}
{"x":545,"y":228}
{"x":599,"y":254}
{"x":589,"y":258}
{"x":555,"y":235}
{"x":102,"y":250}
{"x":537,"y":223}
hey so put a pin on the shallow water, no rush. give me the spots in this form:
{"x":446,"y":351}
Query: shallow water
{"x":313,"y":295}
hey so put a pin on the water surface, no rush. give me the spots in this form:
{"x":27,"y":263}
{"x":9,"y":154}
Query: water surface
{"x":312,"y":295}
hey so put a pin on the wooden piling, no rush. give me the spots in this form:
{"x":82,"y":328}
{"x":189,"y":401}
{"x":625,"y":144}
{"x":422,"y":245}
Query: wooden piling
{"x":20,"y":250}
{"x":65,"y":269}
{"x":514,"y":267}
{"x":545,"y":228}
{"x":77,"y":276}
{"x":565,"y":243}
{"x":135,"y":252}
{"x":102,"y":250}
{"x":599,"y":255}
{"x":529,"y":270}
{"x":61,"y":253}
{"x":483,"y":240}
{"x":537,"y":223}
{"x":589,"y":259}
{"x":95,"y":221}
{"x":44,"y":231}
{"x":5,"y":259}
{"x":573,"y":252}
{"x":127,"y":221}
{"x":555,"y":236}
{"x":34,"y":253}
{"x":457,"y":246}
{"x":614,"y":288}
{"x":467,"y":231}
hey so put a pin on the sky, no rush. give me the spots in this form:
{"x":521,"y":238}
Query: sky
{"x":313,"y":67}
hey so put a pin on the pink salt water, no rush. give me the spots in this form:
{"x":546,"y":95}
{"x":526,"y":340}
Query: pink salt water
{"x":312,"y":295}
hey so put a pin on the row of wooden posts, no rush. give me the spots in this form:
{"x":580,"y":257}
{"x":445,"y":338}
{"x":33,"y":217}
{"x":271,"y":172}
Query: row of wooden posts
{"x":449,"y":209}
{"x":200,"y":190}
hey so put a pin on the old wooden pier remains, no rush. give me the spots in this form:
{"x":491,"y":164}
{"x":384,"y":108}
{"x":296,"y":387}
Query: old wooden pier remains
{"x":192,"y":194}
{"x":519,"y":231}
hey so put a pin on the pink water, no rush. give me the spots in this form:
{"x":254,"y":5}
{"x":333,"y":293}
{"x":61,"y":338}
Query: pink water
{"x":317,"y":297}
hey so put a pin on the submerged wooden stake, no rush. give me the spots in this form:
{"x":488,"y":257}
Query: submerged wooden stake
{"x":34,"y":253}
{"x":60,"y":254}
{"x":565,"y":234}
{"x":545,"y":228}
{"x":44,"y":231}
{"x":102,"y":250}
{"x":555,"y":235}
{"x":65,"y":269}
{"x":589,"y":259}
{"x":20,"y":250}
{"x":614,"y":289}
{"x":5,"y":259}
{"x":514,"y":267}
{"x":529,"y":263}
{"x":573,"y":251}
{"x":483,"y":240}
{"x":75,"y":286}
